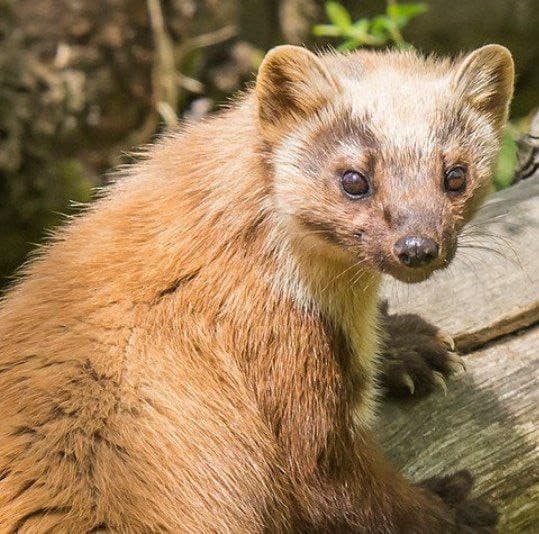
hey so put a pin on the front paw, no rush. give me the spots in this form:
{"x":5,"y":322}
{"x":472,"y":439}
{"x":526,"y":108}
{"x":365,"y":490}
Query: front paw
{"x":469,"y":515}
{"x":416,"y":356}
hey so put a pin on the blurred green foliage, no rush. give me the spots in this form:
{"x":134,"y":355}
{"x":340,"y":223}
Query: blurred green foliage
{"x":78,"y":80}
{"x":507,"y":160}
{"x":32,"y":206}
{"x":379,"y":30}
{"x":385,"y":29}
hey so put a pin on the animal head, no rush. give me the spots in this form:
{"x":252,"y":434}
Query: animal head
{"x":382,"y":157}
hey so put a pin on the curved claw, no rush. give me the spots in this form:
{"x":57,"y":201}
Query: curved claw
{"x":455,"y":362}
{"x":408,"y":382}
{"x":446,"y":339}
{"x":440,"y":382}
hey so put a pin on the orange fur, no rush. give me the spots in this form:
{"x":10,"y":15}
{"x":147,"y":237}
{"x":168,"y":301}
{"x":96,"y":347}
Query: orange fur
{"x":183,"y":358}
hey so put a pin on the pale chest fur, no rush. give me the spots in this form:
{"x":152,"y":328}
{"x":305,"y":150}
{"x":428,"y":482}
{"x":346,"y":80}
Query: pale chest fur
{"x":353,"y":304}
{"x":348,"y":297}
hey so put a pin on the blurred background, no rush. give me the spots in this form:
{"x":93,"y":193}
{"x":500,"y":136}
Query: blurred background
{"x":84,"y":81}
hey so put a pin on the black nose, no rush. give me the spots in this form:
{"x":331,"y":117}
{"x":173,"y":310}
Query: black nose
{"x":415,"y":251}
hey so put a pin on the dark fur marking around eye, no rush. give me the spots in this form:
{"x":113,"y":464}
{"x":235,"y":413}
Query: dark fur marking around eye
{"x":388,"y":216}
{"x":343,"y":128}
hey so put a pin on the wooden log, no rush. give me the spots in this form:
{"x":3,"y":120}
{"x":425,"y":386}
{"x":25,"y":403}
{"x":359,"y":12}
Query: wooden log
{"x":493,"y":288}
{"x":487,"y":422}
{"x":528,"y":153}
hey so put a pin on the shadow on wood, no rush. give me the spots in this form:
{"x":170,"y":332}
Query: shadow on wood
{"x":488,"y":423}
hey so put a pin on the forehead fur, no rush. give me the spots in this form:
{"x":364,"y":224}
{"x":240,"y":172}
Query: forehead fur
{"x":355,"y":65}
{"x":401,"y":103}
{"x":407,"y":97}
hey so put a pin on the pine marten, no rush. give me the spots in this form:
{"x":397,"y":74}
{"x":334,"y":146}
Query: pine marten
{"x":197,"y":352}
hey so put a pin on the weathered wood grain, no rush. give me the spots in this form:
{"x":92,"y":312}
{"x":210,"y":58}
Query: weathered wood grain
{"x":488,"y":423}
{"x":489,"y":290}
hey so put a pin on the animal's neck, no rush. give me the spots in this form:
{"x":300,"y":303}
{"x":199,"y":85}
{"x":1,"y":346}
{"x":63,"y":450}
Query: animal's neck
{"x":320,"y":358}
{"x":338,"y":288}
{"x":340,"y":292}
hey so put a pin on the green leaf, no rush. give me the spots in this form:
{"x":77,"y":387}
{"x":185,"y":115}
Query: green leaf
{"x":403,"y":13}
{"x":349,"y":44}
{"x":405,"y":46}
{"x":362,"y":24}
{"x":379,"y":26}
{"x":359,"y":29}
{"x":338,"y":15}
{"x":406,"y":10}
{"x":327,"y":30}
{"x":507,"y":161}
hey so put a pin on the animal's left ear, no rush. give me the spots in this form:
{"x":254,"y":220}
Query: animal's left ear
{"x":485,"y":78}
{"x":291,"y":83}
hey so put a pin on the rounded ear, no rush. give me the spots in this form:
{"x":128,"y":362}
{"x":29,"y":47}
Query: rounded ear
{"x":291,"y":83}
{"x":485,"y":78}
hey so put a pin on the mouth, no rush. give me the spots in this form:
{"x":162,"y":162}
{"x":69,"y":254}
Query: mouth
{"x":391,"y":264}
{"x":409,"y":275}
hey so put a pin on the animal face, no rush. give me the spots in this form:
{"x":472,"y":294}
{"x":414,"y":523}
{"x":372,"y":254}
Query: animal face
{"x":381,"y":158}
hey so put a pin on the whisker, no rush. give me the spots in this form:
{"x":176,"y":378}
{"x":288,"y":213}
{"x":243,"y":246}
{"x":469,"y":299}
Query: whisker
{"x":498,"y":239}
{"x":335,"y":278}
{"x":470,"y":261}
{"x":486,"y":248}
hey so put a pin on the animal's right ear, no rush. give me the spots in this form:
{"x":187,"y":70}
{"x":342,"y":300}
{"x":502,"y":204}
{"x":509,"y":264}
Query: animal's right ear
{"x":291,"y":84}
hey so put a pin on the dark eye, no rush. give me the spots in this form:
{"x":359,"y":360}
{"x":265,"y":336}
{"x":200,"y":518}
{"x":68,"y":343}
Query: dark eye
{"x":355,"y":184}
{"x":455,"y":180}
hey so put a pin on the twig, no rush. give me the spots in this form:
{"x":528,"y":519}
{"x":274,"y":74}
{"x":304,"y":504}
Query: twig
{"x":207,"y":39}
{"x":165,"y":87}
{"x":192,"y":85}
